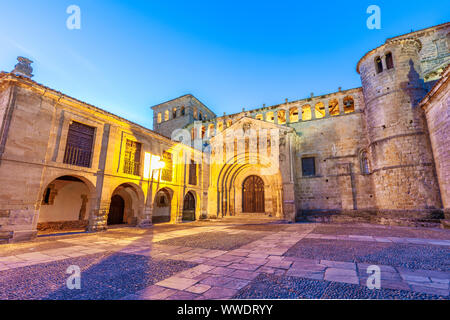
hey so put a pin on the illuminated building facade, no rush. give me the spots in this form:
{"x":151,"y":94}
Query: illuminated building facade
{"x":376,"y":153}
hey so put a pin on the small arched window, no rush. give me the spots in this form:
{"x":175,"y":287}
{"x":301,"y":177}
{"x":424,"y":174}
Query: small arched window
{"x":195,"y":113}
{"x":211,"y":130}
{"x":229,"y":123}
{"x":306,"y":112}
{"x":389,"y":61}
{"x":174,"y":113}
{"x":349,"y":105}
{"x":319,"y":110}
{"x":333,"y":107}
{"x":183,"y":112}
{"x":159,"y":117}
{"x":220,"y":126}
{"x":200,"y":116}
{"x":166,"y":115}
{"x":293,"y":114}
{"x":270,"y":117}
{"x":203,"y":132}
{"x":281,"y":114}
{"x":378,"y":65}
{"x":259,"y":117}
{"x":365,"y":168}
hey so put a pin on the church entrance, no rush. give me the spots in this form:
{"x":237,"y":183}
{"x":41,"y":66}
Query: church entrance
{"x":253,"y":195}
{"x":116,"y":210}
{"x":189,"y":207}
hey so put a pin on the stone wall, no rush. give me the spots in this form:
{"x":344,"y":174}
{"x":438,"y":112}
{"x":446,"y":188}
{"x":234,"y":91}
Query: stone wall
{"x":437,"y":111}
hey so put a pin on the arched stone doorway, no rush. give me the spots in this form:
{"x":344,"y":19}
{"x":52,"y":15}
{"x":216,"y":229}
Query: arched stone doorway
{"x":127,"y":202}
{"x":116,"y":210}
{"x":162,"y":206}
{"x":189,"y":207}
{"x":65,"y":204}
{"x":253,"y":195}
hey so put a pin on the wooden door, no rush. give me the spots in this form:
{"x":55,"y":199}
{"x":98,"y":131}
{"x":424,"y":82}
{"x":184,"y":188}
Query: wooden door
{"x":189,"y":207}
{"x":116,"y":210}
{"x":253,"y":194}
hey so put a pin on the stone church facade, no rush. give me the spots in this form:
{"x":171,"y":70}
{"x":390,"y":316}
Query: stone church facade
{"x":377,"y":153}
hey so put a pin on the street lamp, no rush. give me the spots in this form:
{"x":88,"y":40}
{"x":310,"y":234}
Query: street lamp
{"x":152,"y":163}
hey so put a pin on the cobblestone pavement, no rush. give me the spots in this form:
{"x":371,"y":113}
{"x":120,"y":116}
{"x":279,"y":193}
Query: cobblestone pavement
{"x":231,"y":260}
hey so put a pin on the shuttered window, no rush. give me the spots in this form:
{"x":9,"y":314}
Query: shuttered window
{"x":308,"y":167}
{"x":132,"y":158}
{"x":80,"y":139}
{"x":167,"y":171}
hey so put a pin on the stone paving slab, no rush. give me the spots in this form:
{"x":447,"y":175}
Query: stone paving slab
{"x":341,"y":275}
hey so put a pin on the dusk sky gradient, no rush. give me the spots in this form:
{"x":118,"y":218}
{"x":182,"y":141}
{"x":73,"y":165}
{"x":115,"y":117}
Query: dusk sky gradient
{"x":131,"y":55}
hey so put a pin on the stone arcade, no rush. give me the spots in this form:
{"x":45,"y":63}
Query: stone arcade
{"x":377,"y":153}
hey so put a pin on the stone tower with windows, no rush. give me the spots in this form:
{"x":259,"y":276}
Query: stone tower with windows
{"x":402,"y":161}
{"x":178,"y":113}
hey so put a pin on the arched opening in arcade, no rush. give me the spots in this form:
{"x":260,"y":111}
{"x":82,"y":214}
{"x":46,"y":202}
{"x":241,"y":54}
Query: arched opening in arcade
{"x":65,"y":204}
{"x":126,"y":205}
{"x":162,"y":206}
{"x":189,"y":206}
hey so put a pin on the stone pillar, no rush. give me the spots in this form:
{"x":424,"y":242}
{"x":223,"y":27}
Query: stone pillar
{"x":99,"y":217}
{"x":146,"y":220}
{"x":341,"y":105}
{"x":313,"y":111}
{"x":327,"y":111}
{"x":147,"y":213}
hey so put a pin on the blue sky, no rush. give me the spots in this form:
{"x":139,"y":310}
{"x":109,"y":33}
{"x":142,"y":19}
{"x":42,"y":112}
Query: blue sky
{"x":131,"y":55}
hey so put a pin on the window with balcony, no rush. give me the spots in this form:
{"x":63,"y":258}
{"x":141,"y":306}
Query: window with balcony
{"x":132,"y":162}
{"x":80,"y":139}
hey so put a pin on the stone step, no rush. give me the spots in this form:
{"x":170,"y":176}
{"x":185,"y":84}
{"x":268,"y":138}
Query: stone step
{"x":5,"y":236}
{"x":445,"y":224}
{"x":374,"y":219}
{"x":251,"y":216}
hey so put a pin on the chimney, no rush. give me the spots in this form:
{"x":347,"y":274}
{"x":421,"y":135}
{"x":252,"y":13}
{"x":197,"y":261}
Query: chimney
{"x":23,"y":68}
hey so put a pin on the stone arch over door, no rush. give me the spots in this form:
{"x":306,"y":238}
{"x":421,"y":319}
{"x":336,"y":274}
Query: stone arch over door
{"x":272,"y":195}
{"x":162,"y":206}
{"x":230,"y":181}
{"x":65,"y":203}
{"x":189,"y":206}
{"x":131,"y":198}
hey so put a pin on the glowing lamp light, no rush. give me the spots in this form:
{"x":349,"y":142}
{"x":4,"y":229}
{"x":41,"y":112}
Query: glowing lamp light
{"x":152,"y":162}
